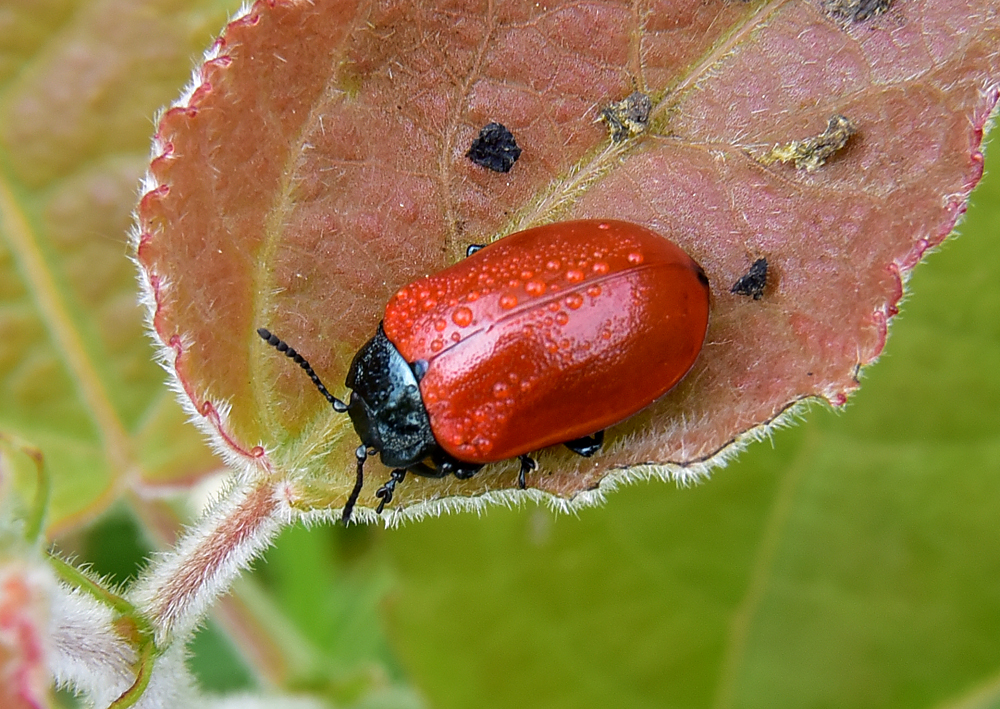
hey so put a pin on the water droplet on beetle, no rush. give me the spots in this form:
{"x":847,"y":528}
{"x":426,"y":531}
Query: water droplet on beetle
{"x":535,"y":288}
{"x":462,"y":316}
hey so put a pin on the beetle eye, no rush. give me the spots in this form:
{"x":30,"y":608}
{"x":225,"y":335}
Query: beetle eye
{"x":420,"y":368}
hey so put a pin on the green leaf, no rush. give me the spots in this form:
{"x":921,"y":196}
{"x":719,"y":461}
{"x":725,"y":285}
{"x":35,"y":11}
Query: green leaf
{"x":332,"y":589}
{"x":79,"y":82}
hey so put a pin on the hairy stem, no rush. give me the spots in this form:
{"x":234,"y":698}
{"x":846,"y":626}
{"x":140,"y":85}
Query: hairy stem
{"x":176,"y":591}
{"x":74,"y":578}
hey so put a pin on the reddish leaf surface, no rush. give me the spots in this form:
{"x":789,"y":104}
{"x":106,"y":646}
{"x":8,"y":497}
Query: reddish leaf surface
{"x":319,"y":165}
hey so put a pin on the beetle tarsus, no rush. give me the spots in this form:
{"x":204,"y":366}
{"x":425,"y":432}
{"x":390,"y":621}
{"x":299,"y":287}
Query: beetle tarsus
{"x":586,"y":446}
{"x":528,"y":464}
{"x":466,"y":470}
{"x":447,"y":465}
{"x":385,"y":492}
{"x":362,"y":455}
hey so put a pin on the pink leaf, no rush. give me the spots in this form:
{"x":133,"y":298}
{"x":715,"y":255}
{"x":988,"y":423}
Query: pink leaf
{"x":319,"y":164}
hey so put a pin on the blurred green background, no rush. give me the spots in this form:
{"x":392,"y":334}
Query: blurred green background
{"x":852,"y":562}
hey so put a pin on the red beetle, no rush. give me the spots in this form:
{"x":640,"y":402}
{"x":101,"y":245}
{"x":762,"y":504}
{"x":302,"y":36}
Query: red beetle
{"x":548,"y":336}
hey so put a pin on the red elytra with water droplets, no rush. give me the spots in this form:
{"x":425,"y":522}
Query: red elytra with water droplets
{"x":550,"y":335}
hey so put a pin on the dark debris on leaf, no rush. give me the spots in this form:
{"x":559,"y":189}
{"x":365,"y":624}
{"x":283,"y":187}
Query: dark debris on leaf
{"x":753,"y":282}
{"x":494,"y":148}
{"x":856,"y":10}
{"x":629,"y":117}
{"x":812,"y":153}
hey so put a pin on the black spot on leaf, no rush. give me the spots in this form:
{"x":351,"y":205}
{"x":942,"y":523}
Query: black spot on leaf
{"x":856,"y":10}
{"x":494,"y":148}
{"x":753,"y":282}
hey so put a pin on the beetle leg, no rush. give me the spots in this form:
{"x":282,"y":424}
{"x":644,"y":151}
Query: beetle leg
{"x":446,"y":465}
{"x":586,"y":446}
{"x":362,"y":455}
{"x":473,"y":248}
{"x":384,"y":493}
{"x":464,"y":471}
{"x":427,"y":471}
{"x":528,"y":464}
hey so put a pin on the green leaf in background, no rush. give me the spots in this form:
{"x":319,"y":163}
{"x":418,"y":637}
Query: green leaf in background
{"x":79,"y":82}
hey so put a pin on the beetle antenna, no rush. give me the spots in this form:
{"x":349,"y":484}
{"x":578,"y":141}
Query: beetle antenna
{"x":282,"y":346}
{"x":362,"y":455}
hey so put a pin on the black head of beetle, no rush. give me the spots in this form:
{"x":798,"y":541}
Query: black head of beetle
{"x":386,"y":407}
{"x":388,"y":414}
